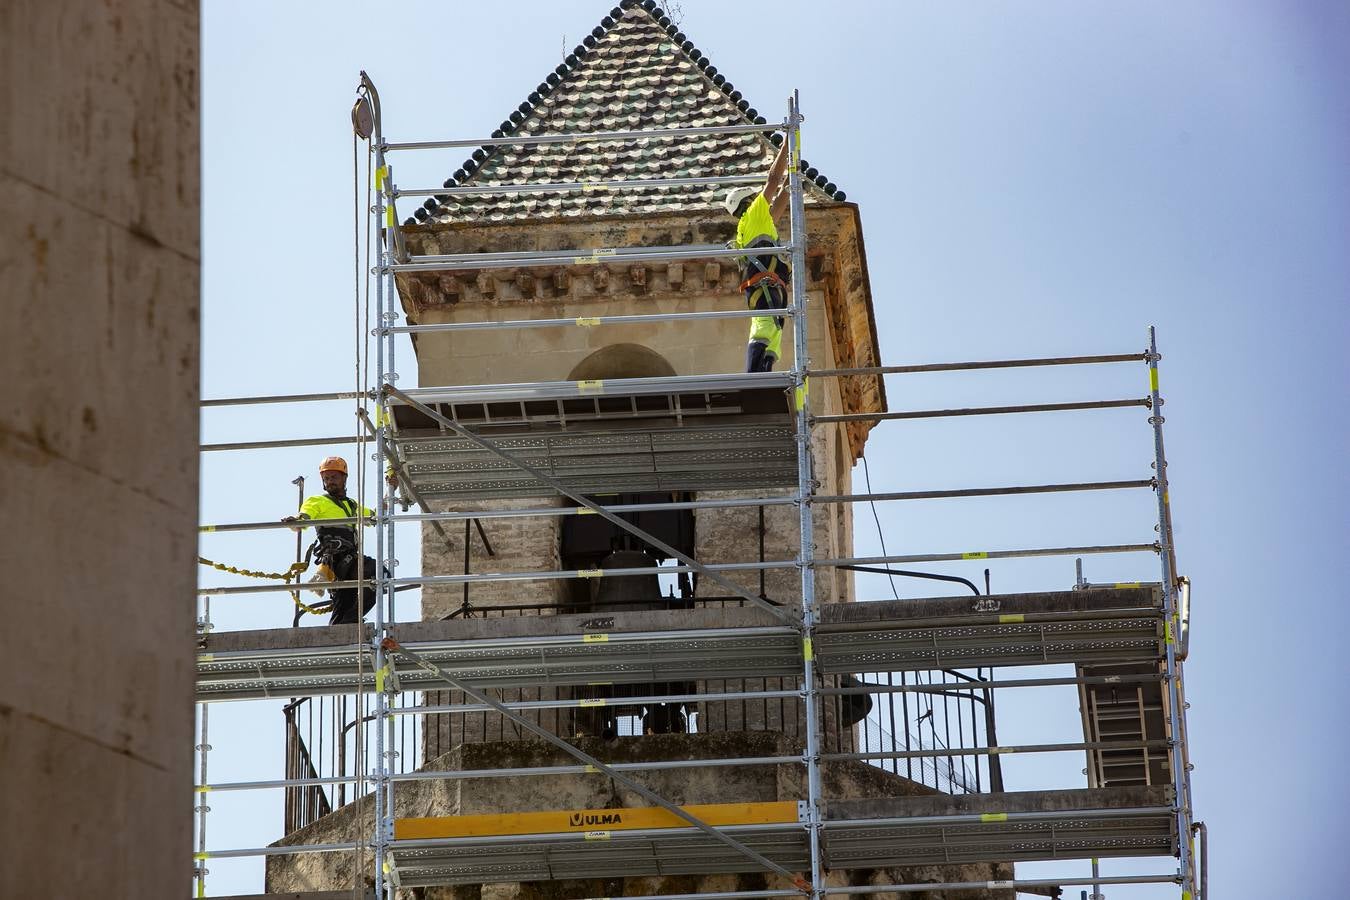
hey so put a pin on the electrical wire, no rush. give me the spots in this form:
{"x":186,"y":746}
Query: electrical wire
{"x":867,"y":479}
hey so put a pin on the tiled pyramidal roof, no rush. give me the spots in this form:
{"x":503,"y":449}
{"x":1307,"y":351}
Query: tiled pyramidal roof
{"x":635,"y":70}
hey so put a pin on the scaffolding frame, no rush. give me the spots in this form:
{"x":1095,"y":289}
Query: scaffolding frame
{"x":384,"y":648}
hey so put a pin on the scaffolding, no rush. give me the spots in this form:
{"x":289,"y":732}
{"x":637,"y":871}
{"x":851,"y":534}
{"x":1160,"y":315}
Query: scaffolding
{"x":571,"y":441}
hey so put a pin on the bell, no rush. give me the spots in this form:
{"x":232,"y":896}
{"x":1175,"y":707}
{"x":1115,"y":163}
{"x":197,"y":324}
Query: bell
{"x":617,"y":593}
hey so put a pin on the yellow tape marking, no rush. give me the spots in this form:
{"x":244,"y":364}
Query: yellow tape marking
{"x":979,"y":554}
{"x":205,"y":657}
{"x":207,"y":528}
{"x":1125,"y":585}
{"x":586,"y":511}
{"x":599,"y":683}
{"x":587,"y":820}
{"x":591,"y":770}
{"x":1011,"y":619}
{"x":598,"y":701}
{"x":808,"y":651}
{"x":591,"y":387}
{"x":389,"y":216}
{"x":1166,"y":499}
{"x":594,"y":638}
{"x":200,"y":856}
{"x":587,"y":321}
{"x":1153,"y":379}
{"x":995,"y":751}
{"x":590,"y":573}
{"x":202,"y":789}
{"x":1167,"y":631}
{"x":380,"y":175}
{"x":994,"y":817}
{"x":587,"y":187}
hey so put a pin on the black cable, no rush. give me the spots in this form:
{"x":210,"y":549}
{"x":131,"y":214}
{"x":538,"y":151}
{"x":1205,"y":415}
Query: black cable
{"x":867,"y":479}
{"x":908,"y":574}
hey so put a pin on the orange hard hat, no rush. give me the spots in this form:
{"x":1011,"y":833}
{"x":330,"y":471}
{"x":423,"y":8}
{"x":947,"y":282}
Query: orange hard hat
{"x":333,"y":464}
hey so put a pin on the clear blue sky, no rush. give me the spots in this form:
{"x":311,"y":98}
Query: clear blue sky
{"x":1034,"y":179}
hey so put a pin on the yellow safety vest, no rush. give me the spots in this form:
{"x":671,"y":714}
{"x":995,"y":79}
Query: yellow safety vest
{"x":757,"y":222}
{"x":322,"y":506}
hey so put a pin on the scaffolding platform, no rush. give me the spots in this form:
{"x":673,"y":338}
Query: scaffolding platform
{"x":871,"y":833}
{"x":1098,"y":626}
{"x":625,"y":435}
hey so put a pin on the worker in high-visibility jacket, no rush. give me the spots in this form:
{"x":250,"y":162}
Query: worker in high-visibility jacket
{"x":765,"y":277}
{"x":336,"y":545}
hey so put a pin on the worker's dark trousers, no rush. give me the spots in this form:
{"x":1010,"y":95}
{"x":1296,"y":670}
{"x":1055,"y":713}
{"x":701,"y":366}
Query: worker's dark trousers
{"x":344,"y":599}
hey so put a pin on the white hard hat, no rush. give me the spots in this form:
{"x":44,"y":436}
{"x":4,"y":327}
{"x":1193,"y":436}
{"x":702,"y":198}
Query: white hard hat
{"x":738,"y":195}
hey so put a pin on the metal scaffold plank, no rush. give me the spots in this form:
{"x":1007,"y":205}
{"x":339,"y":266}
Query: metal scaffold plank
{"x":1099,"y":625}
{"x":629,"y":435}
{"x":872,"y":833}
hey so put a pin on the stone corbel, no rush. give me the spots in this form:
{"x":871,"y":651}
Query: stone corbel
{"x":450,"y":289}
{"x":600,"y":278}
{"x":637,"y":278}
{"x":562,"y":282}
{"x":487,"y":285}
{"x":525,"y":283}
{"x":712,"y":274}
{"x":674,"y":275}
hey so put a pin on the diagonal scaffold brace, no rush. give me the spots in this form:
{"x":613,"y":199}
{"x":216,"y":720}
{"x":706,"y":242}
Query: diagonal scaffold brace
{"x":393,"y":647}
{"x":545,"y":478}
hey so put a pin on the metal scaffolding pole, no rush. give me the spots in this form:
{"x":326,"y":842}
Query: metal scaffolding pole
{"x":987,"y":364}
{"x":203,"y":748}
{"x":730,"y":503}
{"x":805,"y":488}
{"x":526,"y":140}
{"x":385,"y":223}
{"x":577,"y":257}
{"x":1167,"y":556}
{"x":562,"y":187}
{"x":983,"y":411}
{"x":1018,"y":884}
{"x":710,"y":570}
{"x":580,"y":322}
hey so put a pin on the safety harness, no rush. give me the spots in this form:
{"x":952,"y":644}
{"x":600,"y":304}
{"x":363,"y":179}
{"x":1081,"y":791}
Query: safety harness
{"x":761,"y":278}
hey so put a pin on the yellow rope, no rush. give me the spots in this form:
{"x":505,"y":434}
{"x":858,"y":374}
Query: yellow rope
{"x":293,"y":573}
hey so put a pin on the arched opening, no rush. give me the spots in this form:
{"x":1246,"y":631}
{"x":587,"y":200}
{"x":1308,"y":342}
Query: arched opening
{"x":622,"y":361}
{"x":590,"y":542}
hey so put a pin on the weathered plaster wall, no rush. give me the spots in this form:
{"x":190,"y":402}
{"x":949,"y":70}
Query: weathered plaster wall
{"x":99,"y":260}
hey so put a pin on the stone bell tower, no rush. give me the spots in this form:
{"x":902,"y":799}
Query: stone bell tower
{"x":576,"y":330}
{"x":634,"y":74}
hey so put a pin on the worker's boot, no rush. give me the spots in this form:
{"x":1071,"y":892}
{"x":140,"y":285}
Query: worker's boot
{"x":757,"y":357}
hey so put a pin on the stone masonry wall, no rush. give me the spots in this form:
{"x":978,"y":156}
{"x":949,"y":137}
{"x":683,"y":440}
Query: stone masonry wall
{"x":98,"y":444}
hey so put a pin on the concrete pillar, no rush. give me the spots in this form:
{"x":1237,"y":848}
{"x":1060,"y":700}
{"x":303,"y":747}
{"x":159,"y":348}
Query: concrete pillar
{"x":99,"y":262}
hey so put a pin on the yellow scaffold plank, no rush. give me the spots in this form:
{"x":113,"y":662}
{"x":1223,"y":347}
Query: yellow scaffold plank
{"x":564,"y":821}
